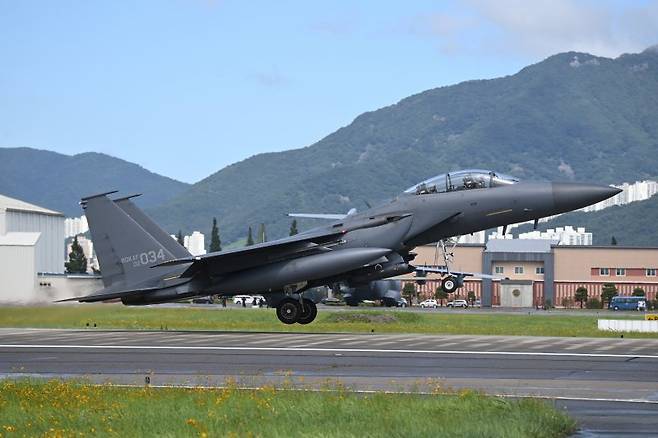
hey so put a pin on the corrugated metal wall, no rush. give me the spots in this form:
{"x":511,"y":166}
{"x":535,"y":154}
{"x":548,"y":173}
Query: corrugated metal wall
{"x":50,"y":247}
{"x":17,"y":271}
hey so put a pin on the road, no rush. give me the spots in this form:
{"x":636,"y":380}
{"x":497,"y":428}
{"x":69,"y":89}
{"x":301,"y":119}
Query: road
{"x":609,"y":384}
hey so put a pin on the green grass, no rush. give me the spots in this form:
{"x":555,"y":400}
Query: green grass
{"x":56,"y":408}
{"x":116,"y":316}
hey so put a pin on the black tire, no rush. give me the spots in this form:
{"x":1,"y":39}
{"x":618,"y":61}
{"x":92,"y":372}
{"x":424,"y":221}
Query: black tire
{"x":288,"y":310}
{"x":449,"y":284}
{"x":308,"y":313}
{"x":615,"y":308}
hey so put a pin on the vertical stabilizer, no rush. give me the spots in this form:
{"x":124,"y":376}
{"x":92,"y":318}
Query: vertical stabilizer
{"x":172,"y":245}
{"x":125,"y":250}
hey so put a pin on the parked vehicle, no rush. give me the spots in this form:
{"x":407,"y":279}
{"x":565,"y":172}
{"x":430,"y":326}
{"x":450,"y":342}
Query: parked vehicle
{"x":202,"y":300}
{"x":628,"y":303}
{"x":402,"y":302}
{"x":429,"y":303}
{"x":237,"y":299}
{"x":332,"y":301}
{"x":457,"y":303}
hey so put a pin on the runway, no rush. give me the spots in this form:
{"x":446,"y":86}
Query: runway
{"x":576,"y":372}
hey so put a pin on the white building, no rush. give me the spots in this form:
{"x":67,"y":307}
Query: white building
{"x":475,"y":238}
{"x":563,"y":235}
{"x":74,"y":226}
{"x":195,"y":243}
{"x":21,"y":217}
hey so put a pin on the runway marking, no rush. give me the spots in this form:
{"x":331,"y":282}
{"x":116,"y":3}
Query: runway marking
{"x":326,"y":350}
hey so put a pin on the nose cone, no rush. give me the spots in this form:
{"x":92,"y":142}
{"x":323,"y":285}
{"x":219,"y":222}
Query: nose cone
{"x":572,"y":196}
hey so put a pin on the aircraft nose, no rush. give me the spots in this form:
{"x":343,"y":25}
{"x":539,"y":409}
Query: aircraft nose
{"x":572,"y":196}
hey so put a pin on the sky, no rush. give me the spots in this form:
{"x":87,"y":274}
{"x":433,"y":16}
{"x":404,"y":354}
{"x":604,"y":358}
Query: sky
{"x":187,"y":87}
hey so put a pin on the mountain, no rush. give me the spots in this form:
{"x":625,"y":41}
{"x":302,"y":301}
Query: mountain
{"x":632,"y":224}
{"x":573,"y":116}
{"x":57,"y":181}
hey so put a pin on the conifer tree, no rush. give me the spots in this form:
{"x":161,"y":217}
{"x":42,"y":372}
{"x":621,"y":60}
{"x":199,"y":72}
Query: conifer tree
{"x":77,"y":263}
{"x":250,"y":238}
{"x":293,"y":227}
{"x":179,"y":238}
{"x":215,"y":242}
{"x":262,"y":235}
{"x":581,"y":295}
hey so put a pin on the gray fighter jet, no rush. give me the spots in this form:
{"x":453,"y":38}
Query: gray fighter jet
{"x":141,"y":264}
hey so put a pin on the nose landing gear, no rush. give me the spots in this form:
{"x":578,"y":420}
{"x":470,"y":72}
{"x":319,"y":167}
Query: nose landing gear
{"x":449,"y":284}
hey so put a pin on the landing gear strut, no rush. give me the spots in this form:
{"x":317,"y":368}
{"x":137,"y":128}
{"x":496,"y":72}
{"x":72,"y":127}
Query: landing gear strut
{"x":308,"y":312}
{"x":291,"y":310}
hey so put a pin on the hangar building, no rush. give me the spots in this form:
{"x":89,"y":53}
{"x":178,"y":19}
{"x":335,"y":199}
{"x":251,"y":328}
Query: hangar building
{"x":31,"y":242}
{"x":539,"y":270}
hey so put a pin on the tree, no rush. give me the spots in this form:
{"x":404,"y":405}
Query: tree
{"x":613,"y":241}
{"x":440,"y":295}
{"x":409,"y":290}
{"x":179,"y":238}
{"x":250,"y":238}
{"x":608,"y":291}
{"x":262,"y":236}
{"x":293,"y":227}
{"x":638,"y":292}
{"x":581,"y":295}
{"x":215,"y":242}
{"x":77,"y":263}
{"x":471,"y":297}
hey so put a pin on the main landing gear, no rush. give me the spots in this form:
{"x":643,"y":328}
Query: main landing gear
{"x":291,"y":310}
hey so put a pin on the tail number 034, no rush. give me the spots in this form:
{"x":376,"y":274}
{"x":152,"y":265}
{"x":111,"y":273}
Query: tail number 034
{"x":144,"y":258}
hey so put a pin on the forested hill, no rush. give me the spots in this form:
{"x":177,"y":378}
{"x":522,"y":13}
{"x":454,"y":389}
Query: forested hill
{"x":573,"y":116}
{"x":57,"y":181}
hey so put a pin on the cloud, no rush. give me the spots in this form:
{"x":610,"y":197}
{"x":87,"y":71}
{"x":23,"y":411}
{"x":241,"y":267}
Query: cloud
{"x":446,"y":29}
{"x":544,"y":27}
{"x":334,"y":26}
{"x":272,"y":79}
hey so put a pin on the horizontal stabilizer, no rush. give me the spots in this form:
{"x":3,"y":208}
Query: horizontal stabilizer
{"x":107,"y":294}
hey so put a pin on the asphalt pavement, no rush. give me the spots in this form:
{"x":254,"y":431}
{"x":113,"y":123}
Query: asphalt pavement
{"x":610,"y":385}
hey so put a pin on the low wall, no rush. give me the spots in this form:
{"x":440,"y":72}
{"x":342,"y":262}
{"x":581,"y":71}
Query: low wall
{"x":628,"y":325}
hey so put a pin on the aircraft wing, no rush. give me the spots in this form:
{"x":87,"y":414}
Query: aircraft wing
{"x":223,"y":262}
{"x":318,"y":216}
{"x":328,"y":216}
{"x":441,"y":270}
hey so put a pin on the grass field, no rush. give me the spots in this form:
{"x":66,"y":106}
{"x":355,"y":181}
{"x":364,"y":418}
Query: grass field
{"x":116,"y":316}
{"x":56,"y":408}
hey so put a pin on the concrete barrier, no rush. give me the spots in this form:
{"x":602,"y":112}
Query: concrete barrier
{"x":628,"y":325}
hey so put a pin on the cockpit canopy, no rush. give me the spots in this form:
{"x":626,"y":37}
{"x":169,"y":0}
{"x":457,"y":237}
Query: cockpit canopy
{"x":462,"y":180}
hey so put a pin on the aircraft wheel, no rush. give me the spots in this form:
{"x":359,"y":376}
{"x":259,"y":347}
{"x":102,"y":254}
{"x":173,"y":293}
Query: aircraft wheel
{"x":308,"y":313}
{"x":449,"y":284}
{"x":288,"y":310}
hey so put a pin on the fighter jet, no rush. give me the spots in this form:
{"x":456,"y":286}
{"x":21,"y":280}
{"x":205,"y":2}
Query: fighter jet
{"x":141,"y":264}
